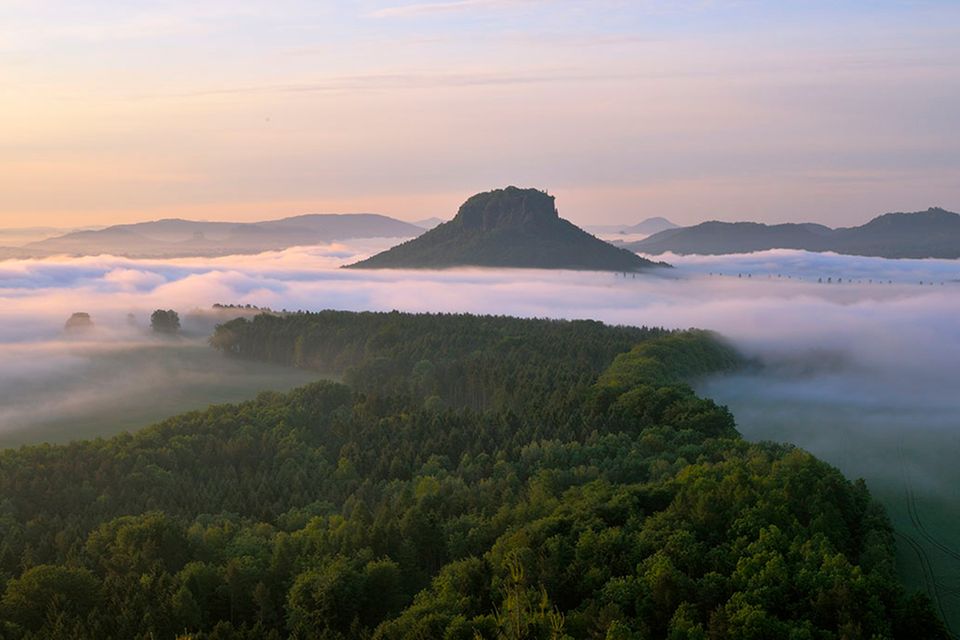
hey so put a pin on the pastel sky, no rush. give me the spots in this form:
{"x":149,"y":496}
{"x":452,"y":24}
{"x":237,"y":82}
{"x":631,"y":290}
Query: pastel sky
{"x":694,"y":109}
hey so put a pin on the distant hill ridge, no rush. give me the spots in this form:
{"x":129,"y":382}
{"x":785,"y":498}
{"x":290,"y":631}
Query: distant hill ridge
{"x":934,"y":233}
{"x":649,"y":226}
{"x":175,"y":237}
{"x":429,"y":223}
{"x":509,"y":227}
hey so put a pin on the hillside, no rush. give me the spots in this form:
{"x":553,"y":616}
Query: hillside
{"x":934,"y":233}
{"x":476,"y":477}
{"x":507,"y":228}
{"x":187,"y":238}
{"x":735,"y":237}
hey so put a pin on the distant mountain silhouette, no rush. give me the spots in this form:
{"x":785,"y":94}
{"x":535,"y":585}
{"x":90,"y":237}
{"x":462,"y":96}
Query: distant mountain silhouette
{"x":934,"y":233}
{"x":429,"y":223}
{"x":19,"y":236}
{"x":644,"y":227}
{"x":650,"y":226}
{"x":509,"y":227}
{"x":174,"y":237}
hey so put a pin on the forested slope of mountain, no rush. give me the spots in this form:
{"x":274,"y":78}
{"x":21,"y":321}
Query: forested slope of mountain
{"x":477,"y":477}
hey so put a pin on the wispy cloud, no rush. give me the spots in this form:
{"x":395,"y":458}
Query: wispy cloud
{"x":649,"y":7}
{"x":394,"y":81}
{"x":421,"y":8}
{"x":29,"y":28}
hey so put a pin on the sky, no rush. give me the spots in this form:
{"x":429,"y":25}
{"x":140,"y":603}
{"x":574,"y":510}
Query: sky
{"x":832,"y":112}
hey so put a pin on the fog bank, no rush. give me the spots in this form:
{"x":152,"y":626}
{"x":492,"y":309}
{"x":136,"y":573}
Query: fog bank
{"x":897,"y":332}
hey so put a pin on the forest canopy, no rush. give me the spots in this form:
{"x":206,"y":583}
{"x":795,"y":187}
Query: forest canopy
{"x":468,"y":477}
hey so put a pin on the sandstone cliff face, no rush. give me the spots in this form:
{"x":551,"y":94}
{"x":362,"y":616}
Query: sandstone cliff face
{"x":511,"y":207}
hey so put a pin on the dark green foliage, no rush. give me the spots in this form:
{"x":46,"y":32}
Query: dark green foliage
{"x":508,"y":228}
{"x":602,"y":499}
{"x":464,"y":360}
{"x":45,"y":591}
{"x":165,"y":321}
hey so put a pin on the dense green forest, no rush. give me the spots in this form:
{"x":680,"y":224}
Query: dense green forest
{"x":467,"y":361}
{"x":471,"y":477}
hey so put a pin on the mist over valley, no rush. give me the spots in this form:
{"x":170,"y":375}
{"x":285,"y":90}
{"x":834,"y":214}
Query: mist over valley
{"x":479,"y":320}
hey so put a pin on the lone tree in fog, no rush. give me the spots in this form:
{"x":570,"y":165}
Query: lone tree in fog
{"x":79,"y":321}
{"x":165,"y":321}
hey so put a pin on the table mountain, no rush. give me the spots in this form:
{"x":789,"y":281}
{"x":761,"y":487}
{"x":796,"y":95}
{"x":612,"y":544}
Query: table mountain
{"x":509,"y":227}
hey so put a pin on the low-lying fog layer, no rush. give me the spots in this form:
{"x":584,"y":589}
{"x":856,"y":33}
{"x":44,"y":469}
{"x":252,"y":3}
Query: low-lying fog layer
{"x":61,"y":390}
{"x":878,"y":323}
{"x":862,"y":361}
